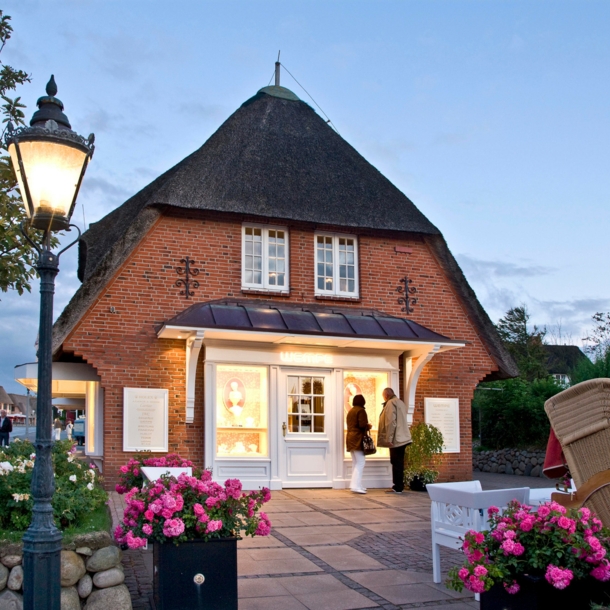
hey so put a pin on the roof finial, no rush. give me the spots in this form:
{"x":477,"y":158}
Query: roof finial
{"x":52,"y":87}
{"x":277,"y":70}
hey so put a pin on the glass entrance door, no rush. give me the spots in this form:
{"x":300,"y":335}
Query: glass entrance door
{"x":307,"y":398}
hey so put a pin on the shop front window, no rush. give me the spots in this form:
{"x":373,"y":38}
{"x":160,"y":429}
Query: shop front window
{"x":305,"y":404}
{"x":371,"y":385}
{"x":241,"y":411}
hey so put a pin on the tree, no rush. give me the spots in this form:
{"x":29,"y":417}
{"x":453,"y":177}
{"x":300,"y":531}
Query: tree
{"x":524,"y":345}
{"x":599,"y":337}
{"x":17,"y":256}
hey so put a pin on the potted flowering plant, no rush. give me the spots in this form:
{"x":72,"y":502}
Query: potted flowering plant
{"x":552,"y":557}
{"x":195,"y":524}
{"x":422,"y":456}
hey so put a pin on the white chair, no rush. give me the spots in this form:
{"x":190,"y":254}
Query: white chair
{"x":153,"y":473}
{"x":459,"y":507}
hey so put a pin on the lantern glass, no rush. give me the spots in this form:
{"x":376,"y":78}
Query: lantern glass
{"x":52,"y":173}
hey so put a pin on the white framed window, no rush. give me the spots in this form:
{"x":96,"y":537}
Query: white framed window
{"x":264,"y":260}
{"x":336,"y":264}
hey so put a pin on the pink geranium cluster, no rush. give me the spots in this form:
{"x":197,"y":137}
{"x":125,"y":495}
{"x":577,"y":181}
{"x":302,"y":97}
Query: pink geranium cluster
{"x":551,"y":542}
{"x":130,"y":474}
{"x":190,"y":507}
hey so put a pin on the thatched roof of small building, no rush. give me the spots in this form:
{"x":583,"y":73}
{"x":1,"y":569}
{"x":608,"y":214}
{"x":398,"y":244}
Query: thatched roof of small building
{"x":273,"y":158}
{"x":5,"y":399}
{"x":563,"y":359}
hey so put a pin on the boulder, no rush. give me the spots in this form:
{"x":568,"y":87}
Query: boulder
{"x":92,"y":540}
{"x":9,"y":600}
{"x":528,"y":469}
{"x":84,"y":550}
{"x":521,"y":466}
{"x":69,"y":599}
{"x":509,"y":469}
{"x":108,"y":578}
{"x":534,"y":461}
{"x":10,"y":561}
{"x":117,"y":598}
{"x":104,"y":559}
{"x":535,"y":471}
{"x":85,"y":586}
{"x":494,"y":468}
{"x":72,"y":568}
{"x":15,"y":579}
{"x":3,"y":576}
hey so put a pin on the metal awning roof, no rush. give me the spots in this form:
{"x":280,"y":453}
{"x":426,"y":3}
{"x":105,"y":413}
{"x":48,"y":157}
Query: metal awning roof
{"x":283,"y":323}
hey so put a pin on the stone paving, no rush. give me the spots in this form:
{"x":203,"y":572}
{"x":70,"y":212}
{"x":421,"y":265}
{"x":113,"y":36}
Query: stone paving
{"x":334,"y":550}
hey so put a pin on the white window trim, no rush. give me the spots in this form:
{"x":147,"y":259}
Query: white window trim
{"x":336,"y":292}
{"x":265,"y":270}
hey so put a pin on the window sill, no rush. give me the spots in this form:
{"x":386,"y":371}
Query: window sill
{"x":263,"y":291}
{"x":332,"y":297}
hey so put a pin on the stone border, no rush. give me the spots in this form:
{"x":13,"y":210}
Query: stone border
{"x":509,"y":461}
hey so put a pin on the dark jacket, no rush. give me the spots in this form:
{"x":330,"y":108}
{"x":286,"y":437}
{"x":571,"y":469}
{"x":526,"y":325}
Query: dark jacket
{"x":7,"y":425}
{"x":357,"y":425}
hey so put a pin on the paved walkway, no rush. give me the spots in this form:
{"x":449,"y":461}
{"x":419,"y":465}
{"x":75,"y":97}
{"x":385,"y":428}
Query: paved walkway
{"x":334,"y":550}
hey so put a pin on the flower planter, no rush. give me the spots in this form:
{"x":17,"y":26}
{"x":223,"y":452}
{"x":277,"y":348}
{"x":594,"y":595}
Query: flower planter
{"x":417,"y":484}
{"x":178,"y":572}
{"x":538,"y":594}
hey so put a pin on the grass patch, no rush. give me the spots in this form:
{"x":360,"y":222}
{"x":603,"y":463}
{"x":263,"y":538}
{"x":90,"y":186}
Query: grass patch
{"x":94,"y":521}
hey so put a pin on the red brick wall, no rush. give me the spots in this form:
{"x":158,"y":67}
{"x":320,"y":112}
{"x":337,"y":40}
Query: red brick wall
{"x":124,"y":348}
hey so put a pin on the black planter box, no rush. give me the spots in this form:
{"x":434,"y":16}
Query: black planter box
{"x":417,"y":484}
{"x":538,"y":594}
{"x":177,"y":585}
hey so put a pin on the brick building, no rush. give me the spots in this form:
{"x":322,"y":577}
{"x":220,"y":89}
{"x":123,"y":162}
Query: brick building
{"x":230,"y":309}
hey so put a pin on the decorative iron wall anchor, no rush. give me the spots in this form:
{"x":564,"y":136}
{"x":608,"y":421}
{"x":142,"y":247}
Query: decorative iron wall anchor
{"x":406,"y":300}
{"x":189,"y":272}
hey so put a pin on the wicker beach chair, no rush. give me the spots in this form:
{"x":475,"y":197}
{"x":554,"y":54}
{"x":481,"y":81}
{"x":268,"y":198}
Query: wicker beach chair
{"x":580,"y":417}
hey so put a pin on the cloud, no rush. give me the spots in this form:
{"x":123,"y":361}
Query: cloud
{"x":484,"y":268}
{"x":110,"y":189}
{"x":203,"y":111}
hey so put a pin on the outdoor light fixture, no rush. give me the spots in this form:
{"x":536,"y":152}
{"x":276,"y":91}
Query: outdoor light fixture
{"x":50,"y":161}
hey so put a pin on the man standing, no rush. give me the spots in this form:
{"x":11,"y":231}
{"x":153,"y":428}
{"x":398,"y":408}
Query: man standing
{"x":394,"y":433}
{"x":6,"y":427}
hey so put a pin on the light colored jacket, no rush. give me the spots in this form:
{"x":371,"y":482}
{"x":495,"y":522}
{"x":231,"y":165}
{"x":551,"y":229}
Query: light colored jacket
{"x":393,"y":427}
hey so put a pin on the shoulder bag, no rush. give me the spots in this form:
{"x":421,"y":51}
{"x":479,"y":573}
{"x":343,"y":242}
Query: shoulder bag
{"x":368,"y":444}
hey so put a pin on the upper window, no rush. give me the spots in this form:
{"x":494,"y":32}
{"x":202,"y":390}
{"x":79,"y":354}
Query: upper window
{"x":336,"y":266}
{"x":265,"y":258}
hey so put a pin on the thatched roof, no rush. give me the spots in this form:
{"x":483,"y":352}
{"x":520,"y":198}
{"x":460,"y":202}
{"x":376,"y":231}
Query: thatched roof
{"x":273,"y":158}
{"x":563,"y":359}
{"x":5,"y":399}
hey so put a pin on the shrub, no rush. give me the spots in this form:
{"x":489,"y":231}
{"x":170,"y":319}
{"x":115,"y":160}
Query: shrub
{"x":424,"y":454}
{"x":77,"y":487}
{"x":513,"y":413}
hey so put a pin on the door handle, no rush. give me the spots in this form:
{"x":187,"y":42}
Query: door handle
{"x":284,"y":428}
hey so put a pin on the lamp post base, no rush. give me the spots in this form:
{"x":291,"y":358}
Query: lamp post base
{"x":41,"y":564}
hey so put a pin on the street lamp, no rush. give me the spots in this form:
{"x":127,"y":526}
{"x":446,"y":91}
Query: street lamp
{"x":50,"y":161}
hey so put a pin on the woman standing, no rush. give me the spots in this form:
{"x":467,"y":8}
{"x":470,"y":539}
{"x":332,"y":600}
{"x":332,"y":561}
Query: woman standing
{"x":357,"y":425}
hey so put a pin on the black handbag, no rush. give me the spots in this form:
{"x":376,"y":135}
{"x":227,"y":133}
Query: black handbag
{"x":368,"y":444}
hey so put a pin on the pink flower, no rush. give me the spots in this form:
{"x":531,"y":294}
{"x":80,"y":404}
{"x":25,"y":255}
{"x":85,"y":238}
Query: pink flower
{"x":147,"y":529}
{"x":527,"y":524}
{"x":493,"y":510}
{"x":136,"y":472}
{"x":463,"y":573}
{"x":479,"y":538}
{"x":149,"y":515}
{"x":173,"y":528}
{"x":214,"y":525}
{"x":120,"y":489}
{"x":508,"y":546}
{"x":475,"y":585}
{"x":518,"y":549}
{"x":198,"y":510}
{"x":558,"y":577}
{"x":602,"y":571}
{"x":124,"y":469}
{"x":264,"y":526}
{"x":480,"y":571}
{"x":512,"y":589}
{"x":544,"y":511}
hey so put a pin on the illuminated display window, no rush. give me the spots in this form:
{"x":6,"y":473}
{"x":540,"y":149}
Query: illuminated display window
{"x":241,"y":411}
{"x":370,"y":385}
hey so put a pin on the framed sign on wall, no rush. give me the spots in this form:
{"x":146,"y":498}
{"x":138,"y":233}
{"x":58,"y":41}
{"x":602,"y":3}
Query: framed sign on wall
{"x":444,"y":414}
{"x":145,"y":419}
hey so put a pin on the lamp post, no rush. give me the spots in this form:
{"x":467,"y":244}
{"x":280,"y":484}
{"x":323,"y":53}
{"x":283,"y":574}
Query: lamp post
{"x":50,"y":161}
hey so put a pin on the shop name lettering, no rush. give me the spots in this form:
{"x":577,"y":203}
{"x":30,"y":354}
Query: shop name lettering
{"x":302,"y":358}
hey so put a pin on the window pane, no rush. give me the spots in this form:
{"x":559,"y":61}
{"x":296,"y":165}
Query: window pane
{"x":258,"y":277}
{"x":320,"y":239}
{"x":271,"y":234}
{"x":272,"y":250}
{"x":280,"y":236}
{"x":341,"y":257}
{"x":329,"y":271}
{"x":248,"y":276}
{"x":350,"y":272}
{"x":318,"y":385}
{"x":280,"y":279}
{"x":248,"y":230}
{"x":258,"y":263}
{"x":342,"y":271}
{"x":293,"y":405}
{"x":281,"y":251}
{"x":293,"y":385}
{"x":329,"y":256}
{"x":343,"y":285}
{"x":271,"y":264}
{"x":257,"y":234}
{"x":305,"y":404}
{"x":318,"y":423}
{"x":351,"y":286}
{"x":293,"y":423}
{"x":305,"y":385}
{"x":272,"y":279}
{"x":281,"y":265}
{"x":328,"y":284}
{"x":305,"y":423}
{"x":248,"y":247}
{"x":258,"y":248}
{"x":350,"y":258}
{"x":321,"y":285}
{"x":318,"y":404}
{"x":320,"y":258}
